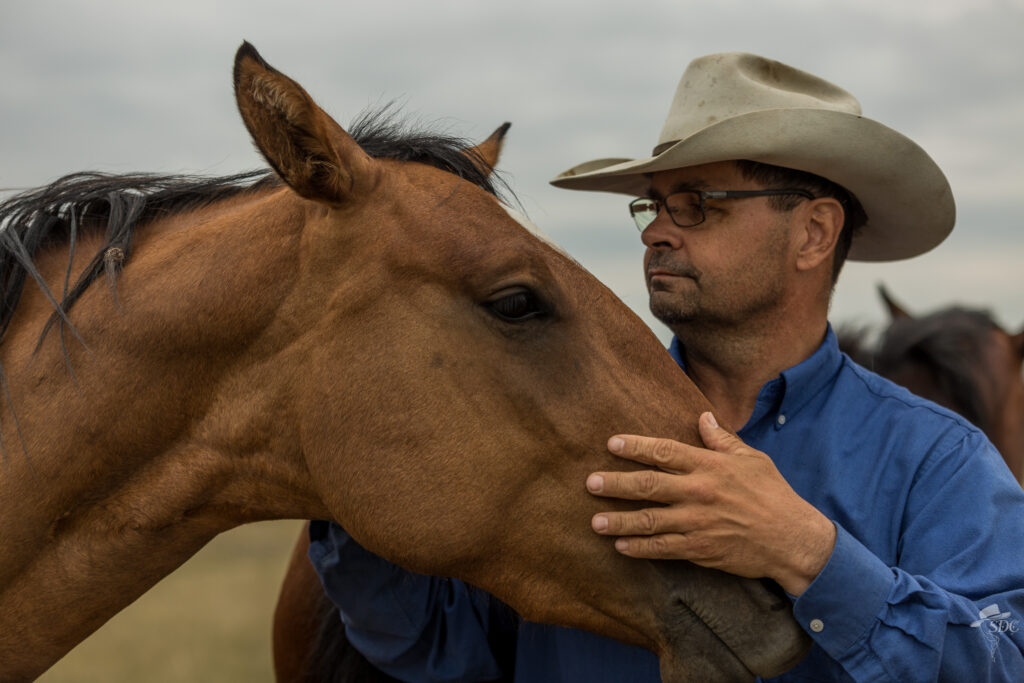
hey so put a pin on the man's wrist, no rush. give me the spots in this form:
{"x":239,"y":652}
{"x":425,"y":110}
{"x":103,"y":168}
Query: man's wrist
{"x":810,"y":557}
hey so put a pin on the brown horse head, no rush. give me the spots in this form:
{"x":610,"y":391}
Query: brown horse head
{"x":378,"y":341}
{"x":462,"y":381}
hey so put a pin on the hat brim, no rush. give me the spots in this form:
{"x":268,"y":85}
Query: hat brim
{"x":907,"y":198}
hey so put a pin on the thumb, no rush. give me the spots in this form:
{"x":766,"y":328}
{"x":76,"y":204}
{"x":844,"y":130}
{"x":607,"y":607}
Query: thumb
{"x":716,"y":438}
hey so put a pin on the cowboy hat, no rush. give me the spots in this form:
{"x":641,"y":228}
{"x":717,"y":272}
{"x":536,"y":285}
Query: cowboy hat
{"x":741,"y":106}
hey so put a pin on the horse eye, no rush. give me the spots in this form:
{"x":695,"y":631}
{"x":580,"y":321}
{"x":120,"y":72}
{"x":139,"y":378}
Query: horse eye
{"x":516,"y":306}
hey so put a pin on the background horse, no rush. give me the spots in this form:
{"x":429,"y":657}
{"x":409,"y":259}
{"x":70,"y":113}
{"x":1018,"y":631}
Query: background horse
{"x":961,"y":359}
{"x":369,"y":336}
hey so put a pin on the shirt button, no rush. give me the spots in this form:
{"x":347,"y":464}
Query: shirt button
{"x":781,"y":420}
{"x":817,"y":625}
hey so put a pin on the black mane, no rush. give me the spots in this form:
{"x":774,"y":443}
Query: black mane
{"x":383,"y":136}
{"x":118,"y":205}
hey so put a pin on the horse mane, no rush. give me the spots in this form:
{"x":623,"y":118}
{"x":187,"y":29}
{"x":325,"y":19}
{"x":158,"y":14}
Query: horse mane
{"x":120,"y":204}
{"x":947,"y":342}
{"x":383,"y":135}
{"x":88,"y":201}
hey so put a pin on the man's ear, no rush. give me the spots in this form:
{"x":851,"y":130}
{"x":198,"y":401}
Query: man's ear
{"x":823,"y":221}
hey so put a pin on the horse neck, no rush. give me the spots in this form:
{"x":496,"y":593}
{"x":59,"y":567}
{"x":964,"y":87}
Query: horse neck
{"x":1007,"y":384}
{"x":997,"y":393}
{"x":165,"y":425}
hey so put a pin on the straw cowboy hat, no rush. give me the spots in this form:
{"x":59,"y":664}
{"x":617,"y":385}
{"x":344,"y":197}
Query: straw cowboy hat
{"x":741,"y":106}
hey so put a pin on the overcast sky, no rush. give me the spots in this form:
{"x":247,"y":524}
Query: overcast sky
{"x":120,"y":85}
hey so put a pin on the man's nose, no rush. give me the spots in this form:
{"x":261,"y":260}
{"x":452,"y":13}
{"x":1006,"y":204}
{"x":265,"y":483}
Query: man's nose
{"x":662,"y":232}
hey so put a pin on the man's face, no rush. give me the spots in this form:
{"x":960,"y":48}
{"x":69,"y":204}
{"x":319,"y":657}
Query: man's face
{"x":732,"y":268}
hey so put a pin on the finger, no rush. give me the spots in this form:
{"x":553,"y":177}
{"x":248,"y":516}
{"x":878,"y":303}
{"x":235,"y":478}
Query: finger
{"x":646,"y":522}
{"x":652,"y":485}
{"x":673,"y":546}
{"x":716,"y":438}
{"x":667,"y":454}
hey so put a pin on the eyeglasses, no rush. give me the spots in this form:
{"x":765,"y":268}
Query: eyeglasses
{"x":686,"y":208}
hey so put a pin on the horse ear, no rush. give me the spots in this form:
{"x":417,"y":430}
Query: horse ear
{"x":895,"y":310}
{"x":485,"y":155}
{"x":305,"y":146}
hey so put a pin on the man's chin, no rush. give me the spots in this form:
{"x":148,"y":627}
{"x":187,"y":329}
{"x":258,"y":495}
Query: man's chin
{"x":670,"y":313}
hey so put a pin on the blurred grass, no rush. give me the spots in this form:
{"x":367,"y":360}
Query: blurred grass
{"x":208,"y":621}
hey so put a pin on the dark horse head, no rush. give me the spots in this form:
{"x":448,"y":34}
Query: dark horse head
{"x":960,"y":358}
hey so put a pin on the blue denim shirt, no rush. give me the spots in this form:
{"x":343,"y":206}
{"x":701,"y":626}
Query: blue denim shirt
{"x":926,"y":581}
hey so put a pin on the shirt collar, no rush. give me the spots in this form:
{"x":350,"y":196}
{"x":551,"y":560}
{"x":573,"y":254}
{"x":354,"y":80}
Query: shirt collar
{"x":790,"y":392}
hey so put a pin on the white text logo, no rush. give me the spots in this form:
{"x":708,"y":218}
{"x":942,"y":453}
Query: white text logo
{"x":991,"y":622}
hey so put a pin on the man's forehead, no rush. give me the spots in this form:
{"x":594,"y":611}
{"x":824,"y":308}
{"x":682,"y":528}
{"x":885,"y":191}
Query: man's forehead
{"x":702,"y":177}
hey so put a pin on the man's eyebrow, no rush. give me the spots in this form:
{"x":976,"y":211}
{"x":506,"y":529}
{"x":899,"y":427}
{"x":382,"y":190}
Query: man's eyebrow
{"x":681,"y":186}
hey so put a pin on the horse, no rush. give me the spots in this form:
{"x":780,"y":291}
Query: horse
{"x":960,"y":358}
{"x":366,"y":334}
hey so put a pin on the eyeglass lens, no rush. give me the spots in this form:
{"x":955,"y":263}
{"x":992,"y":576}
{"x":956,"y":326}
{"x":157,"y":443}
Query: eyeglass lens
{"x":684,"y":208}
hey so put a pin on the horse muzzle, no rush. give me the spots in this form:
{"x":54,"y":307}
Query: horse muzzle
{"x":720,"y":627}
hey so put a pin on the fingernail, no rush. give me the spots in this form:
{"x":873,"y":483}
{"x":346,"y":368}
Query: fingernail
{"x":595,"y":482}
{"x":615,"y":444}
{"x":711,"y":419}
{"x":621,"y":545}
{"x":600,"y":523}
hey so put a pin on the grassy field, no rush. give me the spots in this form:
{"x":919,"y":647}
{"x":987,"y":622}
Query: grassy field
{"x":208,"y":621}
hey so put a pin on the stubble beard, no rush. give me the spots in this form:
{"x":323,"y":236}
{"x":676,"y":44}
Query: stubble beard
{"x":673,"y":307}
{"x":692,"y":310}
{"x":672,"y":310}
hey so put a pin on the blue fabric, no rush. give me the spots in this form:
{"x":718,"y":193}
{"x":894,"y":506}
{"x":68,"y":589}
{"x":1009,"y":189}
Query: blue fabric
{"x":416,"y":627}
{"x":926,"y":581}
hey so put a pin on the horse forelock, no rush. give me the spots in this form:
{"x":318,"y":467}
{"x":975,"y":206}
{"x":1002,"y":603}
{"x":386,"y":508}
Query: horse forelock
{"x":382,"y":134}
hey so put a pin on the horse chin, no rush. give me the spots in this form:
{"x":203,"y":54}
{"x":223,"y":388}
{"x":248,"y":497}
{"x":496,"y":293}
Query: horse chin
{"x":721,"y":628}
{"x":724,"y":669}
{"x":697,"y":653}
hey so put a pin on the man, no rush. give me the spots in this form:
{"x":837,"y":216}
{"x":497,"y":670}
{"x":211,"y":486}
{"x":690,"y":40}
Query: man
{"x":893,"y":524}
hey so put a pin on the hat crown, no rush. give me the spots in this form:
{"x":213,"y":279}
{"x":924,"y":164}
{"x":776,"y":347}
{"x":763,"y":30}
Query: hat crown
{"x":722,"y":86}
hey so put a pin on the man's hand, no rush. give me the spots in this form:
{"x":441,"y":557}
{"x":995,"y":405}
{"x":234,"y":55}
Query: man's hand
{"x":725,"y":506}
